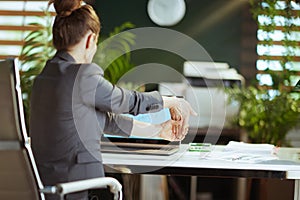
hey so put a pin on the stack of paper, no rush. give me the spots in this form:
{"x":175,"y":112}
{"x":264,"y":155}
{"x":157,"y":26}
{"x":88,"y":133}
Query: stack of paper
{"x":249,"y":148}
{"x":245,"y":152}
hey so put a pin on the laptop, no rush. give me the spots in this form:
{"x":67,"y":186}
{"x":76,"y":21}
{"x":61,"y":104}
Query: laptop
{"x":141,"y":145}
{"x":135,"y":145}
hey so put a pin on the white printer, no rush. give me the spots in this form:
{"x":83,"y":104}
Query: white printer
{"x":203,"y":87}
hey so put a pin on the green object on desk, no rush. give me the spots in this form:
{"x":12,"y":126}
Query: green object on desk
{"x":199,"y":147}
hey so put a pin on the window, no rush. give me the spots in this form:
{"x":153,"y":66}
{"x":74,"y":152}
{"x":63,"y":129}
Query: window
{"x":15,"y":17}
{"x":278,"y":48}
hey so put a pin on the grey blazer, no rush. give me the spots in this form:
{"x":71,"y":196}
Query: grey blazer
{"x":71,"y":106}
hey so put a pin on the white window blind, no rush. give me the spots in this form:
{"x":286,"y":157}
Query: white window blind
{"x":272,"y":55}
{"x":15,"y":17}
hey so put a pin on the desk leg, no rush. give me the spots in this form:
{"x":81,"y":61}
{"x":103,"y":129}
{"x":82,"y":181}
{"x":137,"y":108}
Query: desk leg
{"x":297,"y":190}
{"x":153,"y":187}
{"x":193,"y":191}
{"x":241,"y":188}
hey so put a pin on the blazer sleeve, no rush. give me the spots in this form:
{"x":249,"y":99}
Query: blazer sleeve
{"x":96,"y":91}
{"x":118,"y":124}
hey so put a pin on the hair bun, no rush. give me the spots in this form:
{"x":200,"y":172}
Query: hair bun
{"x":65,"y":7}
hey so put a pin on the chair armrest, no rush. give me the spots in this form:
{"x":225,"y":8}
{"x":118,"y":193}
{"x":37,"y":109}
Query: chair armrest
{"x":81,"y":185}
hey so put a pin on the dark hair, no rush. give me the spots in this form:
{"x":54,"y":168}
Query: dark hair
{"x":72,"y":22}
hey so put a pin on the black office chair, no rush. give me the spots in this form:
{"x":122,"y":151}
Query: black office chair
{"x":19,"y":178}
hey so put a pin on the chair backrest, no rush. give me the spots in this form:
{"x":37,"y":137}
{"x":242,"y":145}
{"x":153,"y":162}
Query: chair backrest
{"x":18,"y":174}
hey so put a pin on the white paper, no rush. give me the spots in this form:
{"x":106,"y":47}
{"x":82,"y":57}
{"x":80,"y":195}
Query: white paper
{"x":244,"y":152}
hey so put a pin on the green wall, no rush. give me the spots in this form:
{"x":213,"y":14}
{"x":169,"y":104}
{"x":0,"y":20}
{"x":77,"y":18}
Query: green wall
{"x":215,"y":24}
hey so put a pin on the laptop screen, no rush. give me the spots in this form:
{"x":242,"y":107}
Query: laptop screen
{"x":144,"y":145}
{"x":152,"y":118}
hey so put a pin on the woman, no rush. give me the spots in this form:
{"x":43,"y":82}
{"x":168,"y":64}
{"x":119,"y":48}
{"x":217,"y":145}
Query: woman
{"x":72,"y":104}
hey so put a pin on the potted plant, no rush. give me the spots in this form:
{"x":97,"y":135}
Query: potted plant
{"x":108,"y":49}
{"x":265,"y":116}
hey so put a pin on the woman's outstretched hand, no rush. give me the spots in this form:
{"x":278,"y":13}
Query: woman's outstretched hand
{"x":167,"y":132}
{"x":180,"y":111}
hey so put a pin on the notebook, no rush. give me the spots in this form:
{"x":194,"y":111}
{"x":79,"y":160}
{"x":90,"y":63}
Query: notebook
{"x":141,"y":145}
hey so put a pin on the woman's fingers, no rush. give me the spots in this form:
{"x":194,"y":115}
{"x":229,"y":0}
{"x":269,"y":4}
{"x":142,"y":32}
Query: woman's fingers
{"x":175,"y":114}
{"x":172,"y":130}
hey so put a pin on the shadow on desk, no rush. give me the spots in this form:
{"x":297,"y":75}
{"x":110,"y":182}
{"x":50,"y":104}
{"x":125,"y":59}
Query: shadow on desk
{"x":213,"y":135}
{"x":270,"y":189}
{"x":131,"y":182}
{"x":211,"y":189}
{"x":207,"y":188}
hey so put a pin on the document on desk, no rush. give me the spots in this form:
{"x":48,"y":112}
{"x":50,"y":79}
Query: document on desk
{"x":245,"y":153}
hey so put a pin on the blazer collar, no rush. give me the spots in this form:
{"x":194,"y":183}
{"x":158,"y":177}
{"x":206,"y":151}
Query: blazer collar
{"x":64,"y":56}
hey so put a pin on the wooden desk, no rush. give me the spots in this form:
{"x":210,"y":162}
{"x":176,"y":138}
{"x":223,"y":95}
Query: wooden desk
{"x":193,"y":164}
